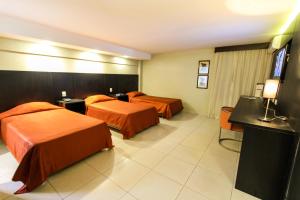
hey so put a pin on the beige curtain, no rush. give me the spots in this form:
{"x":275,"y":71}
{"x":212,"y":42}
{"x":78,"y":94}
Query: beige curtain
{"x":236,"y":73}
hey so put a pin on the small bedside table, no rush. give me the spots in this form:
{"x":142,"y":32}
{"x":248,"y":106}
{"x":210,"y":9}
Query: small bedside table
{"x":76,"y":105}
{"x":121,"y":97}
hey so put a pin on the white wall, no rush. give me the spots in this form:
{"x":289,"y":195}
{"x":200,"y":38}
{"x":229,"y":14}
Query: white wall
{"x":29,"y":56}
{"x":175,"y":75}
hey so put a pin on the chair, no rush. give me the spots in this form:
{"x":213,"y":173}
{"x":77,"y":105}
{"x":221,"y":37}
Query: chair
{"x":224,"y":124}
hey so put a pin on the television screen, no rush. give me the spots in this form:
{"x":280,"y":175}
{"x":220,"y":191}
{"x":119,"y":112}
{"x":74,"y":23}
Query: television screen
{"x":280,"y":59}
{"x":280,"y":62}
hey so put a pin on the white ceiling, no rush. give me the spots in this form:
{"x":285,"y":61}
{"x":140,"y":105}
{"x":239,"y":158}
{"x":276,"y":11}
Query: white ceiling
{"x":157,"y":26}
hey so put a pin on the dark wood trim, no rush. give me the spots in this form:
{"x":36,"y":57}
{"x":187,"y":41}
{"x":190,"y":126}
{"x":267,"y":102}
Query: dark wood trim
{"x":243,"y":47}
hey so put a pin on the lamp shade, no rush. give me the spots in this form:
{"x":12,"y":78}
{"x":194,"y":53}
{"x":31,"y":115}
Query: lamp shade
{"x":270,"y":89}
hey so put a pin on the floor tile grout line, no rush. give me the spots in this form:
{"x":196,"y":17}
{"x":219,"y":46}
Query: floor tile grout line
{"x":87,"y":182}
{"x":192,"y":173}
{"x":118,"y":162}
{"x":107,"y":177}
{"x":138,"y":182}
{"x":196,"y":166}
{"x":55,"y":189}
{"x":152,"y":168}
{"x":185,"y":160}
{"x":169,"y":154}
{"x":78,"y":187}
{"x":127,"y":191}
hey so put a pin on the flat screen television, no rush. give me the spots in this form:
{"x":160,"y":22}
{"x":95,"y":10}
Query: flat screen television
{"x":280,"y":62}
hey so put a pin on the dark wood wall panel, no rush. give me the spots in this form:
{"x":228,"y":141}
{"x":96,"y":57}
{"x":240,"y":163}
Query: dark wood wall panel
{"x":289,"y":104}
{"x":62,"y":82}
{"x":88,"y":84}
{"x":20,"y":87}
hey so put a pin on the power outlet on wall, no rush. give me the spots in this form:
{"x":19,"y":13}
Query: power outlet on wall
{"x":63,"y":94}
{"x":110,"y":90}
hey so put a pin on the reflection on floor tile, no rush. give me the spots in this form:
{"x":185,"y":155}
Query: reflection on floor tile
{"x":128,"y":197}
{"x":66,"y":181}
{"x":153,"y":157}
{"x":105,"y":160}
{"x":187,"y":154}
{"x":178,"y":159}
{"x":220,"y":160}
{"x":127,"y":173}
{"x":100,"y":188}
{"x":210,"y":184}
{"x":155,"y":186}
{"x":175,"y":169}
{"x":45,"y":192}
{"x":187,"y":194}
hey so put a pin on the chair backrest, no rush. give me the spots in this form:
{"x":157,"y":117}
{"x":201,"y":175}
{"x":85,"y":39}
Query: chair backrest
{"x":224,"y":116}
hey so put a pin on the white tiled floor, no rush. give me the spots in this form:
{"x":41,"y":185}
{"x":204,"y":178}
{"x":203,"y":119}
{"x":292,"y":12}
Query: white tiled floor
{"x":178,"y":159}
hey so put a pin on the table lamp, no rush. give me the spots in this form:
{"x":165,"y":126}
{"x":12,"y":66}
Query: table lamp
{"x":270,"y":91}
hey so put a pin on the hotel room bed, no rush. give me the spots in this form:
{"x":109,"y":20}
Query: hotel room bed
{"x":166,"y":107}
{"x":126,"y":117}
{"x":45,"y":139}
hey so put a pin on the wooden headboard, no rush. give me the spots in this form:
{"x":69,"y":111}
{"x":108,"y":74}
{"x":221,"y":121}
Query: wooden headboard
{"x":17,"y":87}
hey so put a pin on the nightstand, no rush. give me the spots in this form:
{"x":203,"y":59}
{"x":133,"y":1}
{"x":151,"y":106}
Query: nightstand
{"x":121,"y":97}
{"x":76,"y":105}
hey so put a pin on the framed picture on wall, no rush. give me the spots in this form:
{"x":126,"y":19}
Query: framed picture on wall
{"x":203,"y":67}
{"x":202,"y":81}
{"x":203,"y":72}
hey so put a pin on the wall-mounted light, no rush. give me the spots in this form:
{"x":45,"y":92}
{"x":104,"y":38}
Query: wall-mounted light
{"x":44,"y":48}
{"x":44,"y":57}
{"x":89,"y":55}
{"x":119,"y":60}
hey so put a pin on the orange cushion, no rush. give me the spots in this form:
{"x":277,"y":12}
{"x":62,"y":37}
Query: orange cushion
{"x":224,"y":116}
{"x":28,"y":108}
{"x":97,"y":98}
{"x":135,"y":94}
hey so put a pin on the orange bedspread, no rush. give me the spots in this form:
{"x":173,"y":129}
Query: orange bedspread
{"x":166,"y":107}
{"x":126,"y":117}
{"x":47,"y":140}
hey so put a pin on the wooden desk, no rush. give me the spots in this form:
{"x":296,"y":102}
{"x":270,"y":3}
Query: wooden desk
{"x":266,"y":151}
